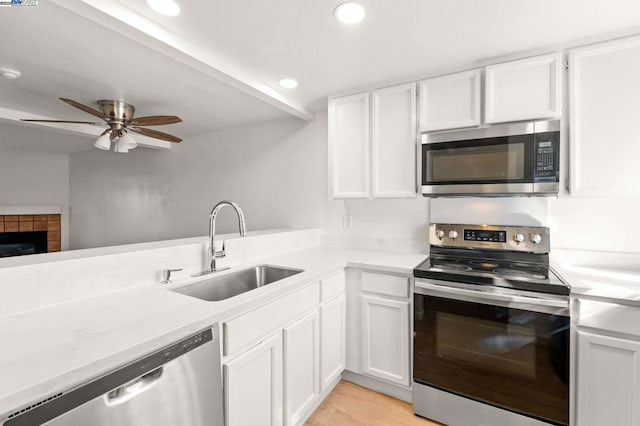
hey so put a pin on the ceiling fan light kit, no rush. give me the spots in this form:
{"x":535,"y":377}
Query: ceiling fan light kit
{"x":120,"y":147}
{"x":119,"y":117}
{"x":104,"y":141}
{"x":128,"y":141}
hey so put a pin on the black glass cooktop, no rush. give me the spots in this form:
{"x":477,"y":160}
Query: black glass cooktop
{"x":524,"y":271}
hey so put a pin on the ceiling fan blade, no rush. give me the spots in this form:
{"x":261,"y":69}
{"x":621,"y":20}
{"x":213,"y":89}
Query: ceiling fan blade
{"x":95,"y":123}
{"x":85,"y":108}
{"x":155,"y":120}
{"x":156,"y":134}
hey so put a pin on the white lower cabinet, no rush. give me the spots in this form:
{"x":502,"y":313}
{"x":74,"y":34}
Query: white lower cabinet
{"x":282,"y":355}
{"x":301,"y":343}
{"x":332,"y":340}
{"x":253,"y":385}
{"x":385,"y":339}
{"x":608,"y":383}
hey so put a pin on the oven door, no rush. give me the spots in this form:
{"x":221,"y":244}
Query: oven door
{"x":507,"y":349}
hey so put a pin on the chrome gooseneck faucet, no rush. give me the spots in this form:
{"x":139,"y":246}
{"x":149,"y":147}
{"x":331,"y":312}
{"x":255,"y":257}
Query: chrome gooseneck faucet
{"x":212,"y":254}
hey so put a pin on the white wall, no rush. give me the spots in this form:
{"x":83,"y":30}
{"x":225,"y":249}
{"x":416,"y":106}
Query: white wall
{"x":35,"y":178}
{"x":277,"y":172}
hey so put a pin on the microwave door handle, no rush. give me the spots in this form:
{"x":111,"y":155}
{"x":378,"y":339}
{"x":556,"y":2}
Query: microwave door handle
{"x":484,"y":297}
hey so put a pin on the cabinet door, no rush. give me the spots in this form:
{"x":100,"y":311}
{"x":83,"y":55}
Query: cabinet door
{"x":349,"y":146}
{"x":253,"y":385}
{"x":608,"y":381}
{"x":450,"y":102}
{"x":301,"y":367}
{"x":523,"y":90}
{"x":385,"y":333}
{"x":332,"y":340}
{"x":604,"y":84}
{"x":394,"y":142}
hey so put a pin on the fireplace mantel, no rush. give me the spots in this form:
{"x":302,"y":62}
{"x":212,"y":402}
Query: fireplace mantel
{"x":26,"y":209}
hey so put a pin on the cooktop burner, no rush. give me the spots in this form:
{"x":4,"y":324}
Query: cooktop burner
{"x":525,"y":271}
{"x":519,"y":273}
{"x":480,"y":264}
{"x":453,"y":265}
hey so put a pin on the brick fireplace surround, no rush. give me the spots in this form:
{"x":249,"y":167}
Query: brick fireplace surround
{"x":34,"y":222}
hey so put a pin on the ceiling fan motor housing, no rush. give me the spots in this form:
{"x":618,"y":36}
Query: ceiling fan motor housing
{"x":118,"y":112}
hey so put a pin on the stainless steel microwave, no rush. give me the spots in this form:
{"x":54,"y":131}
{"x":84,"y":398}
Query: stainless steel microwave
{"x":513,"y":159}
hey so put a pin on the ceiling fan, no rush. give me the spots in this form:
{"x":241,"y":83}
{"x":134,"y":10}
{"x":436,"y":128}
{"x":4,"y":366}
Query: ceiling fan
{"x":119,"y":116}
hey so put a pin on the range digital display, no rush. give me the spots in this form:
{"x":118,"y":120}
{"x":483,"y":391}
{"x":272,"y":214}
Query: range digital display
{"x":480,"y":235}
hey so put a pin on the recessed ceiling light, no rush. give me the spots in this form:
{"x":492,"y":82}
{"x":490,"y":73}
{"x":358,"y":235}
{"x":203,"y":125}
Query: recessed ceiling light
{"x":349,"y":13}
{"x":9,"y":73}
{"x":164,"y":7}
{"x":288,"y":83}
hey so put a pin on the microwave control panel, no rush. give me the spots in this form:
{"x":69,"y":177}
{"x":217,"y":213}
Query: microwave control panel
{"x":546,"y":156}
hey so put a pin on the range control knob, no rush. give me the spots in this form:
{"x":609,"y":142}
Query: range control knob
{"x":535,"y":238}
{"x":518,"y":237}
{"x":453,"y":234}
{"x":440,"y":234}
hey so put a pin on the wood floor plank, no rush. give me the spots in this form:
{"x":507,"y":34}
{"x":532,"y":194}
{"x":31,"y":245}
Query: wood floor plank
{"x":350,"y":404}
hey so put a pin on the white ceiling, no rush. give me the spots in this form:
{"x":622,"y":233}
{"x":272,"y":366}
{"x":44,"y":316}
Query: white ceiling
{"x":217,"y":64}
{"x":399,"y":40}
{"x":61,"y":54}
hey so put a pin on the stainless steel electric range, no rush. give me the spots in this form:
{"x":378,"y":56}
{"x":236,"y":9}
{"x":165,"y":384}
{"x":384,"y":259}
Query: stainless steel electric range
{"x":491,"y":329}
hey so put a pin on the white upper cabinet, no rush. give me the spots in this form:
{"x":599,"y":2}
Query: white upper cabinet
{"x":526,"y":89}
{"x":604,"y":96}
{"x":451,"y":101}
{"x":389,"y":131}
{"x":394,"y":141}
{"x":349,"y":146}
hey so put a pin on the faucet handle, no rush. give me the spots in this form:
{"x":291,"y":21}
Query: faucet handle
{"x":166,"y":275}
{"x":220,"y":253}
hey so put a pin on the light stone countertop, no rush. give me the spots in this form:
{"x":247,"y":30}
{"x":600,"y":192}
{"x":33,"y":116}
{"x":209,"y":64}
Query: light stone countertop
{"x":606,"y":276}
{"x":51,"y":349}
{"x":58,"y":347}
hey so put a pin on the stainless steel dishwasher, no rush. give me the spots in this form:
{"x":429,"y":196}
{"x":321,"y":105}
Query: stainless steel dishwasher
{"x":177,"y":385}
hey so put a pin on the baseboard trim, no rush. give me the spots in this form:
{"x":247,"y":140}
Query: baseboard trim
{"x":402,"y":393}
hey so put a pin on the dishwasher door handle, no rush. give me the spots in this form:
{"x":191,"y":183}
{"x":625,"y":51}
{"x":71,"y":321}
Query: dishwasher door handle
{"x":130,"y":390}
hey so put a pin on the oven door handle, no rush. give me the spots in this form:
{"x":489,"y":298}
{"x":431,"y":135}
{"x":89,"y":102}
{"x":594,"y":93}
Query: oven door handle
{"x":479,"y":296}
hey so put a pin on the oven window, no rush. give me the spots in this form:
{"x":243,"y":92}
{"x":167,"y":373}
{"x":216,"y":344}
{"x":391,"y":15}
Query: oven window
{"x":507,"y":349}
{"x":510,"y":358}
{"x":505,"y":162}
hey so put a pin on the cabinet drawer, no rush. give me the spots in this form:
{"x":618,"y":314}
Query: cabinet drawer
{"x":391,"y":285}
{"x":248,"y":328}
{"x":332,"y":286}
{"x":609,"y":317}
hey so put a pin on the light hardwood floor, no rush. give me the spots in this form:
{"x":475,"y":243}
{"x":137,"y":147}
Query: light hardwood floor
{"x":350,"y":404}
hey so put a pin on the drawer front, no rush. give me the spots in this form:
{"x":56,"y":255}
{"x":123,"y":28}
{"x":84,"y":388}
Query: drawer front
{"x":332,"y":286}
{"x":390,"y":285}
{"x":250,"y":327}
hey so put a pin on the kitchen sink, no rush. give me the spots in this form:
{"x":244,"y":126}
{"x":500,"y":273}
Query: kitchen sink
{"x":234,"y":283}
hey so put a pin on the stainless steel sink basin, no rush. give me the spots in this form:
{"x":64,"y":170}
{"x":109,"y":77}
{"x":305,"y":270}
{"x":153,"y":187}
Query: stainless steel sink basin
{"x":234,"y":283}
